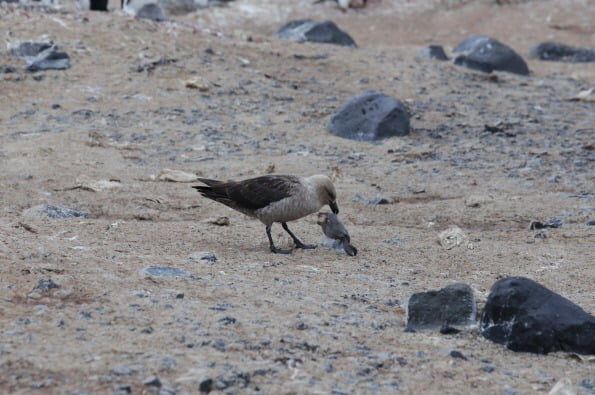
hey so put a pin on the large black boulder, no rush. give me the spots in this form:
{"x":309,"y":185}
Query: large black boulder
{"x":315,"y":31}
{"x":370,"y":116}
{"x":526,"y":316}
{"x":562,"y":53}
{"x":98,"y":5}
{"x":451,"y":305}
{"x":487,"y":54}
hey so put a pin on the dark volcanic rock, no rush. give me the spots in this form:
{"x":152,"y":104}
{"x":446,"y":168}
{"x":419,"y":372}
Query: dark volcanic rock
{"x":370,"y":116}
{"x":47,"y":210}
{"x":49,"y":59}
{"x":206,"y":386}
{"x":562,"y":53}
{"x":31,"y":48}
{"x":151,"y":11}
{"x":433,"y":52}
{"x":452,"y":305}
{"x":484,"y":53}
{"x":98,"y":5}
{"x":315,"y":31}
{"x":526,"y":316}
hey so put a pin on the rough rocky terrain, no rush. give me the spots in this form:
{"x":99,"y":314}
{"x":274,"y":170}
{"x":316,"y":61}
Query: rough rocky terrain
{"x":213,"y":93}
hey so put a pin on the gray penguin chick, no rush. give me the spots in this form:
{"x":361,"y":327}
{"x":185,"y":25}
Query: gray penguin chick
{"x":334,"y":229}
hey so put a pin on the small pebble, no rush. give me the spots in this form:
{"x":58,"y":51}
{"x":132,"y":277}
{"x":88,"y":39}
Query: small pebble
{"x":152,"y":381}
{"x":227,"y":320}
{"x":457,"y":354}
{"x":63,"y":293}
{"x":7,"y":69}
{"x":220,"y":384}
{"x":141,"y":293}
{"x":218,"y":344}
{"x":206,"y":386}
{"x":40,"y":309}
{"x":46,"y":285}
{"x":122,"y":389}
{"x":509,"y":390}
{"x":202,"y":256}
{"x":167,"y":391}
{"x":34,"y":295}
{"x":121,"y":370}
{"x":588,"y":384}
{"x":168,"y":363}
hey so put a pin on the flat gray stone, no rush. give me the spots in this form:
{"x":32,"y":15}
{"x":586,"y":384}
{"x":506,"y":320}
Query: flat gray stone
{"x":163,"y":271}
{"x":50,"y":59}
{"x":48,"y":210}
{"x":451,"y":305}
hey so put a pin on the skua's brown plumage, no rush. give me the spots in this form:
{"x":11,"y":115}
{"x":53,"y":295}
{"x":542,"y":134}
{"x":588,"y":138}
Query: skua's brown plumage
{"x":274,"y":198}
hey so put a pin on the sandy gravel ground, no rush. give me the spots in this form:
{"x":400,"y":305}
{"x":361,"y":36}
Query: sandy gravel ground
{"x":316,"y":321}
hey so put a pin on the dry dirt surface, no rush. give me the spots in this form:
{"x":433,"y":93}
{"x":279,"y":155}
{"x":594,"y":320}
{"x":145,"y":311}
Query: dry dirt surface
{"x":488,"y":154}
